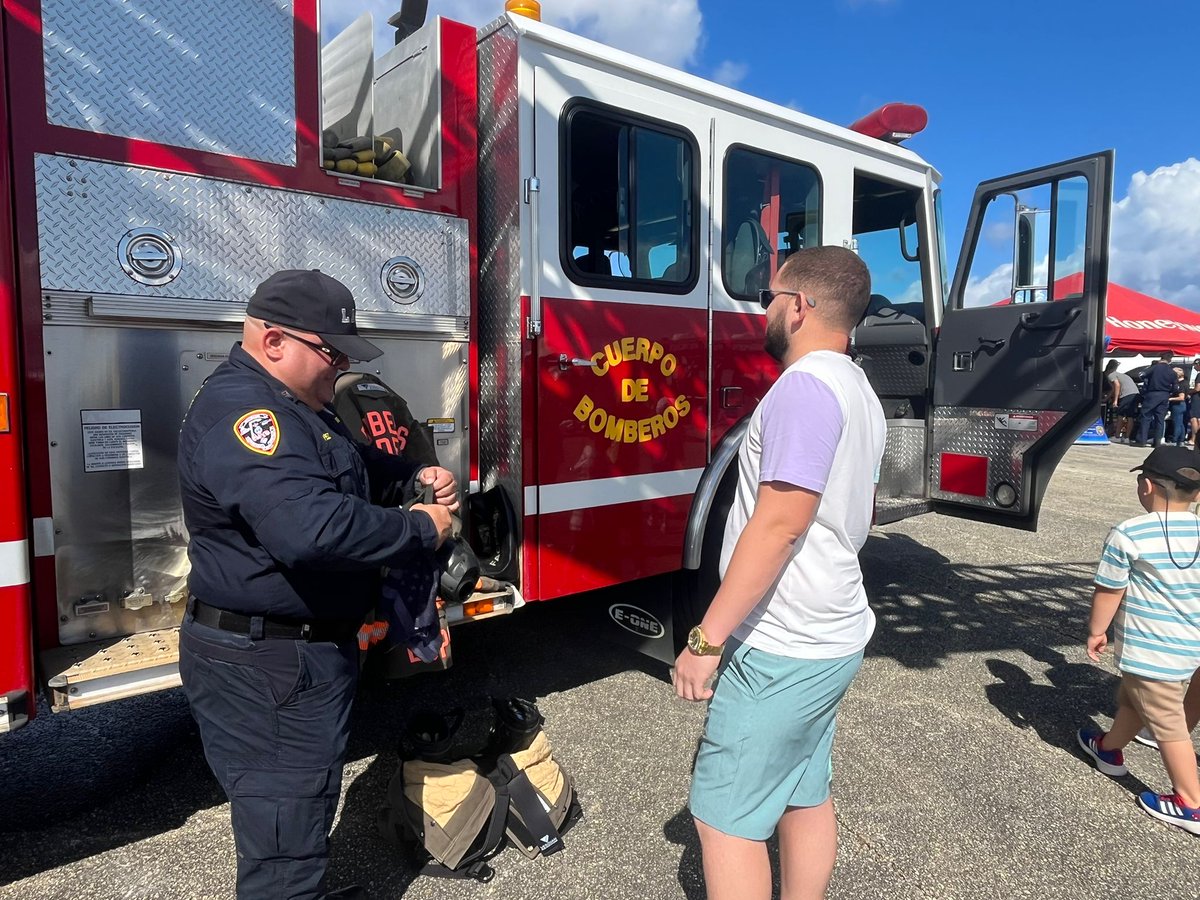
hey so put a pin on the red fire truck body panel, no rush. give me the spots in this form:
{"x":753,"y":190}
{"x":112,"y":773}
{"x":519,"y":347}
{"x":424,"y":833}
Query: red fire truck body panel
{"x":622,"y":439}
{"x":596,"y":547}
{"x":16,"y":648}
{"x":740,"y":363}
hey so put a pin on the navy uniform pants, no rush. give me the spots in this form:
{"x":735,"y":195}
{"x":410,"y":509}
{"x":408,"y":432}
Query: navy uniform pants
{"x":274,"y":716}
{"x":1154,"y":412}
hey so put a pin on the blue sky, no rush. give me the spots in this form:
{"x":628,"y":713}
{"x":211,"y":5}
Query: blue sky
{"x":1008,"y":86}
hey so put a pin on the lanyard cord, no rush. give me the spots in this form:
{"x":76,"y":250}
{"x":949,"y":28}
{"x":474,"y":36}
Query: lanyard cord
{"x":1162,"y":521}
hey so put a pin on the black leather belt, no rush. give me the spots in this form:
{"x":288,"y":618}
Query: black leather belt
{"x":273,"y":627}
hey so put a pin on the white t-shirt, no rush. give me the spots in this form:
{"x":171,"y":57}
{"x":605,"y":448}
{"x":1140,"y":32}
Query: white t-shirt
{"x":820,"y":427}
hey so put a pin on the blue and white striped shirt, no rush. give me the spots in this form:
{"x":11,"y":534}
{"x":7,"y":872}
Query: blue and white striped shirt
{"x":1154,"y":557}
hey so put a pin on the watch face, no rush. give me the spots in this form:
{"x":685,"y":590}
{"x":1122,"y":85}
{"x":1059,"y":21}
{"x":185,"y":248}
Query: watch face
{"x":695,"y":639}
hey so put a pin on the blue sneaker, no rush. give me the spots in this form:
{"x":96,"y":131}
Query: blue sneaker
{"x":1170,"y":808}
{"x":1110,"y":762}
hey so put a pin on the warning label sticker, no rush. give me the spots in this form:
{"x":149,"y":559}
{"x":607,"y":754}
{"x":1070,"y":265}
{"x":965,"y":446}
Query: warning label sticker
{"x":1006,"y":422}
{"x":112,"y":439}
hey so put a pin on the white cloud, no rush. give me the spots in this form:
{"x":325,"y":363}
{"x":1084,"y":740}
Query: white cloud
{"x":990,"y":288}
{"x":669,"y":31}
{"x":999,"y":233}
{"x":1156,"y":234}
{"x":730,"y":73}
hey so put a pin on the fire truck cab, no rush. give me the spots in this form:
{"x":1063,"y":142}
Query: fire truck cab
{"x":562,"y":265}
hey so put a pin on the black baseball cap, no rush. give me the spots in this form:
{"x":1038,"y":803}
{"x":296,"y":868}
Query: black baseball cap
{"x":1178,"y":464}
{"x":310,"y":300}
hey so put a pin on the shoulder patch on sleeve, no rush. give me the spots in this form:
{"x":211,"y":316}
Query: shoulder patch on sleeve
{"x":258,"y":430}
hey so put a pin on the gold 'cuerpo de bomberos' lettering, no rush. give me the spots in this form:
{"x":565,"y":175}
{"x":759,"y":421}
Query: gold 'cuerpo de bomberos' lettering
{"x":631,"y":431}
{"x":633,"y":349}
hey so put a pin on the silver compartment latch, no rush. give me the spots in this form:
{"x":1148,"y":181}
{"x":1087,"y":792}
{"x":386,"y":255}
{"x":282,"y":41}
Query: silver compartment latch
{"x":964,"y":361}
{"x":149,"y":256}
{"x":403,"y":279}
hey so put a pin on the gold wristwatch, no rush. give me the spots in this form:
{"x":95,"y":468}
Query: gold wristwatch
{"x":699,"y":645}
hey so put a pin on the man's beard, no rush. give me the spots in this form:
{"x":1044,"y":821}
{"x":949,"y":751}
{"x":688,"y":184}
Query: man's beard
{"x":776,"y":341}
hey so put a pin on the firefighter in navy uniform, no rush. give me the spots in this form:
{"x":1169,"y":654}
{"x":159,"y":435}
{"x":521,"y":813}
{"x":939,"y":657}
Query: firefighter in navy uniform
{"x":286,"y":546}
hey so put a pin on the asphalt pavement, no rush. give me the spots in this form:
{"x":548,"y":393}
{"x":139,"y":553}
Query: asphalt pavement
{"x":956,"y":769}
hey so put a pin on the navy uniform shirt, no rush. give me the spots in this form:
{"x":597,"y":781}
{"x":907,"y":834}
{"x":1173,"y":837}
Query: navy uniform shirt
{"x":277,"y":500}
{"x":1160,"y":377}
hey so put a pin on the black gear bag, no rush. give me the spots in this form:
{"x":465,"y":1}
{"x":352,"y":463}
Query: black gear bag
{"x":452,"y":816}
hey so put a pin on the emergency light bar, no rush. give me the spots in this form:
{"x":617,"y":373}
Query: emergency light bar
{"x":893,"y":122}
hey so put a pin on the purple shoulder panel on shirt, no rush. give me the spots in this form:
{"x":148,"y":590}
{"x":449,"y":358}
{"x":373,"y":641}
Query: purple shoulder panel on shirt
{"x":801,"y":425}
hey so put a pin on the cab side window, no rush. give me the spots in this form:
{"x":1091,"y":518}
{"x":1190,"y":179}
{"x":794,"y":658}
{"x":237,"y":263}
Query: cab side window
{"x":630,"y":201}
{"x":888,"y":238}
{"x":772,"y":209}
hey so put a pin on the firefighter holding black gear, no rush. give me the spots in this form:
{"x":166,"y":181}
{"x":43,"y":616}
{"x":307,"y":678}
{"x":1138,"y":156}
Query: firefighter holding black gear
{"x":287,"y":542}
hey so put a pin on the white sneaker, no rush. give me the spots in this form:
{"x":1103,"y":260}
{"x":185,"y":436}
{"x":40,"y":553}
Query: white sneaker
{"x":1145,"y":737}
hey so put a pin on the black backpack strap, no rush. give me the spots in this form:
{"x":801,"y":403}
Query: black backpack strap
{"x":529,"y":825}
{"x":477,"y":871}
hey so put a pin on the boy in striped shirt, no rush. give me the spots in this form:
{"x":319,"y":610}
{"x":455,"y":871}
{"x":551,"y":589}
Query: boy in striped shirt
{"x":1149,"y":580}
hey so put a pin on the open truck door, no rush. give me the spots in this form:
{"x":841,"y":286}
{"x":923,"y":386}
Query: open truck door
{"x":1017,"y":364}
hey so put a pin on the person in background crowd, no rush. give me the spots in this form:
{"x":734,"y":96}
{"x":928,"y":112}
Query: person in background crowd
{"x":1122,"y":397}
{"x":1158,"y":384}
{"x":1194,"y":402}
{"x":1146,"y":582}
{"x":1178,"y":407}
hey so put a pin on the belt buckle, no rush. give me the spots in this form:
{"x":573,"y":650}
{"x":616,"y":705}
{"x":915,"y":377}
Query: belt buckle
{"x":305,"y":631}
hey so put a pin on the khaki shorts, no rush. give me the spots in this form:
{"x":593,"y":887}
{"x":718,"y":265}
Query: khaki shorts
{"x":1158,"y":703}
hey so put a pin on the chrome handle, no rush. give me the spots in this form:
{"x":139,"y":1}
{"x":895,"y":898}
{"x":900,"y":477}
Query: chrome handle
{"x":1028,"y":319}
{"x":565,"y":362}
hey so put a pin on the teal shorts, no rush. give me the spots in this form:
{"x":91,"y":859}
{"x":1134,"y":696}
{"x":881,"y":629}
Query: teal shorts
{"x":768,"y":741}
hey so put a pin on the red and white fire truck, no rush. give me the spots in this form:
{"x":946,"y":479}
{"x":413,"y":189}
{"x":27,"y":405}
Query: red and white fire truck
{"x":558,"y":245}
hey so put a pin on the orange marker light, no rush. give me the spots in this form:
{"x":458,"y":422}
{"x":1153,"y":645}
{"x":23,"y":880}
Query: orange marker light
{"x":5,"y":425}
{"x":529,"y":8}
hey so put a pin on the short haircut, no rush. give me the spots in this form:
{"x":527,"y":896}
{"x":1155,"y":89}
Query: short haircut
{"x":1172,"y":489}
{"x":836,"y":278}
{"x":1165,"y":355}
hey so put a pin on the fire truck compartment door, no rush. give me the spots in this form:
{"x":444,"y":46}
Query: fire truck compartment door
{"x":1017,"y":359}
{"x":620,"y":277}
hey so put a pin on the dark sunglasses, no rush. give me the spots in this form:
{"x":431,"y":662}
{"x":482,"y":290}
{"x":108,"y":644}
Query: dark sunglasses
{"x":766,"y":297}
{"x":333,"y":357}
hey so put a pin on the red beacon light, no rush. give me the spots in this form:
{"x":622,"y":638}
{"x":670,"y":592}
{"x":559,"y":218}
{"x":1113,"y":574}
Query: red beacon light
{"x":893,"y":122}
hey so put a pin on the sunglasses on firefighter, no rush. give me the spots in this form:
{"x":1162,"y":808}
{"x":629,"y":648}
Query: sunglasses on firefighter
{"x":766,"y":297}
{"x":333,"y":357}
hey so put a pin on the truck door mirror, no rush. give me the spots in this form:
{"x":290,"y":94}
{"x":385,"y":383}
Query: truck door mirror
{"x":1031,"y":243}
{"x":1026,"y":240}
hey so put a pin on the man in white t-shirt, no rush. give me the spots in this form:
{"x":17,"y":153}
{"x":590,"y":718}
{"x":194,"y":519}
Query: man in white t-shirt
{"x":790,"y":621}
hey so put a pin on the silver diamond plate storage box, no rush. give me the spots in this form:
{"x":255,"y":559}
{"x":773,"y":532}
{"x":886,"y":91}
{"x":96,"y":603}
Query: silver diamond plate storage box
{"x":202,"y":74}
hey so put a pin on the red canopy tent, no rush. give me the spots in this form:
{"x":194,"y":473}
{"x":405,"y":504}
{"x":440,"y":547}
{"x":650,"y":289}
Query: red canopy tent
{"x":1140,"y":323}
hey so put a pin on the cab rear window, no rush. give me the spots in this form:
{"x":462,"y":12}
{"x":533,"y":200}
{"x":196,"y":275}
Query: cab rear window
{"x":772,"y":209}
{"x":630,"y":201}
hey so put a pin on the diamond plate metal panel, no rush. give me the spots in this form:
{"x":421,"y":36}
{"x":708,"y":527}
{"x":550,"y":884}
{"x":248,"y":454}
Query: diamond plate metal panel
{"x":902,"y":471}
{"x":232,"y":236}
{"x":500,"y":333}
{"x":974,"y":432}
{"x":205,"y":74}
{"x":892,"y":370}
